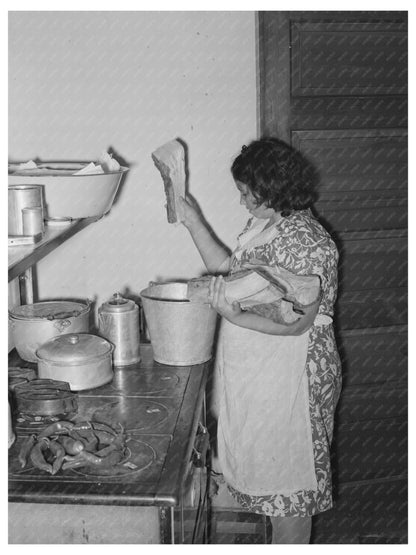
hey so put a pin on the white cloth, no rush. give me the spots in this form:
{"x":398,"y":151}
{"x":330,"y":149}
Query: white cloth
{"x":254,"y":236}
{"x":264,"y":431}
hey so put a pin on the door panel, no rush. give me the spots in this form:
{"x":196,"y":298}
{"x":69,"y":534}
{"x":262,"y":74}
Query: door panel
{"x":334,"y":84}
{"x":363,"y":214}
{"x":374,"y":308}
{"x":361,"y":161}
{"x":370,"y":449}
{"x":348,"y":112}
{"x":377,"y":357}
{"x":363,"y":176}
{"x":372,"y":262}
{"x":360,"y":504}
{"x":348,"y":58}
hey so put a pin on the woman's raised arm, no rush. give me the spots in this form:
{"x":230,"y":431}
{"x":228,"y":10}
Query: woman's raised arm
{"x":214,"y":255}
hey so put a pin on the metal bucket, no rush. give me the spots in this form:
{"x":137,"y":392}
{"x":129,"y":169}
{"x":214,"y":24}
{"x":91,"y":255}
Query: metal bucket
{"x":181,"y":332}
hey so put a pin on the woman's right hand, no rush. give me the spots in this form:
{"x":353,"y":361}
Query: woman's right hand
{"x":191,"y":214}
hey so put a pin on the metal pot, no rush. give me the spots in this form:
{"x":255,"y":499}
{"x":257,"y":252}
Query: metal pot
{"x":118,"y":321}
{"x":81,"y":359}
{"x":34,"y":324}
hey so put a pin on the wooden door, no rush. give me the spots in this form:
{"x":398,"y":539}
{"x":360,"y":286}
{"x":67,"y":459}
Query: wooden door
{"x":334,"y":84}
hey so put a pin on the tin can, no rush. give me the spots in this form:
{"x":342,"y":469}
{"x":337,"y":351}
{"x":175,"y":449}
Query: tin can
{"x":20,"y":197}
{"x":32,"y":220}
{"x":118,"y":322}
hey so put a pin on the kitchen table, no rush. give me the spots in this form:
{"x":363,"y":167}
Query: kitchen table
{"x":157,"y":495}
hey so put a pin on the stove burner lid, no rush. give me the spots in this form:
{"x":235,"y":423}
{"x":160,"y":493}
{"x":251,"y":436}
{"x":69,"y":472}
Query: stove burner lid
{"x":45,"y":397}
{"x":18,"y":372}
{"x":18,"y":376}
{"x":144,"y":383}
{"x":139,"y":456}
{"x":132,"y":413}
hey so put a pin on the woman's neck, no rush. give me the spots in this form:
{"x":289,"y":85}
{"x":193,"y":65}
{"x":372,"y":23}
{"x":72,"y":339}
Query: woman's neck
{"x":274,"y":219}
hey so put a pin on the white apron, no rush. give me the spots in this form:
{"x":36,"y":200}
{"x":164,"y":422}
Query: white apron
{"x":264,"y":429}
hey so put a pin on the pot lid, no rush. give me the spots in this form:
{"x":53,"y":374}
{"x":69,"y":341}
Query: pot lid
{"x":118,"y":304}
{"x":15,"y":382}
{"x":74,"y":348}
{"x":49,"y":310}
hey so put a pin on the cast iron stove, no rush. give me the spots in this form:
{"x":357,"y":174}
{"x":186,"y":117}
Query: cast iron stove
{"x":161,"y":409}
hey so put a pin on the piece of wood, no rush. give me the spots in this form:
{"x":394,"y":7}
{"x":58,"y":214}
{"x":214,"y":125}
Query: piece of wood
{"x":238,"y":286}
{"x":170,"y":161}
{"x":261,"y":285}
{"x":301,"y":290}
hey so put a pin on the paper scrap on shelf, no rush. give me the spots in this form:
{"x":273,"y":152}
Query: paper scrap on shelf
{"x":108,"y":163}
{"x":90,"y":168}
{"x":27,"y":165}
{"x":105,"y":164}
{"x":30,"y":165}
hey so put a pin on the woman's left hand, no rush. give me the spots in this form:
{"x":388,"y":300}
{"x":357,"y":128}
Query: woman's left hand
{"x":216,"y":298}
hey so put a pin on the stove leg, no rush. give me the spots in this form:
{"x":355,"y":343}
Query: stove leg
{"x":167,"y":525}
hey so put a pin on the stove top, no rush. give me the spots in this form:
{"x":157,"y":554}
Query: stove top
{"x":149,"y":401}
{"x":157,"y":380}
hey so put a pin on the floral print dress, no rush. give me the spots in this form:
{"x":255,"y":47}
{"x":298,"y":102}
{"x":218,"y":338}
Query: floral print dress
{"x":304,"y":247}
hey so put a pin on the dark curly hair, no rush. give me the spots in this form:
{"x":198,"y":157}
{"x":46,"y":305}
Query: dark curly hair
{"x":277,"y":175}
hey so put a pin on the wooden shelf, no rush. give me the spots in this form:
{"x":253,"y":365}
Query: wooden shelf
{"x":23,"y":257}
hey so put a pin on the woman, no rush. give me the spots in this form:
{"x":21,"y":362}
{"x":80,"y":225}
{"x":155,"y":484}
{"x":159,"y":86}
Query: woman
{"x":279,"y":383}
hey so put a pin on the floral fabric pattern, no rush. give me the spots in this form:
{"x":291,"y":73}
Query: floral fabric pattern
{"x":304,"y":247}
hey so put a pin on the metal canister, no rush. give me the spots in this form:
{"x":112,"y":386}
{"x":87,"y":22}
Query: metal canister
{"x":20,"y":197}
{"x":32,"y":220}
{"x":118,"y":322}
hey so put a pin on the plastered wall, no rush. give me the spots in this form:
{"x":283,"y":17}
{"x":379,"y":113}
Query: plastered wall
{"x":83,"y":82}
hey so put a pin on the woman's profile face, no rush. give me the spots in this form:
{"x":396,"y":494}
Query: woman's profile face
{"x":248,"y":200}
